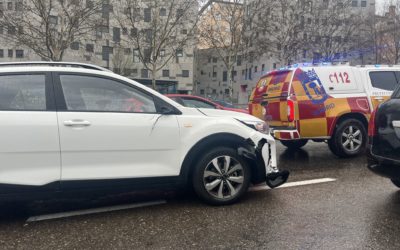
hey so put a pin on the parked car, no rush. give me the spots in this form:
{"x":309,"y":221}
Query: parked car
{"x":323,"y":103}
{"x":69,"y":127}
{"x":200,"y":102}
{"x":384,"y":144}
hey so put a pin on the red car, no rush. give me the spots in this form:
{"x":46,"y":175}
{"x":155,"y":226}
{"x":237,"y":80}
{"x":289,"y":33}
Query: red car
{"x":200,"y":102}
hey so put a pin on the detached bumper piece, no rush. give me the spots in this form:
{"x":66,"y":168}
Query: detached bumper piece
{"x":277,"y":179}
{"x":264,"y":157}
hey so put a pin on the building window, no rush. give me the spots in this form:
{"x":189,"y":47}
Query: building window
{"x":1,"y":53}
{"x":10,"y":53}
{"x":53,"y":20}
{"x":116,"y":35}
{"x":215,"y":59}
{"x":179,"y":53}
{"x":239,"y":61}
{"x":127,"y":51}
{"x":162,"y":53}
{"x":165,"y":73}
{"x":354,"y":3}
{"x":255,"y":69}
{"x":201,"y":91}
{"x":124,"y":31}
{"x":163,"y":12}
{"x":224,"y":76}
{"x":263,"y":68}
{"x":144,"y":73}
{"x":363,"y":3}
{"x":185,"y":73}
{"x":11,"y":30}
{"x":19,"y":53}
{"x":105,"y":52}
{"x":90,"y":48}
{"x":9,"y":6}
{"x":75,"y":46}
{"x":147,"y":15}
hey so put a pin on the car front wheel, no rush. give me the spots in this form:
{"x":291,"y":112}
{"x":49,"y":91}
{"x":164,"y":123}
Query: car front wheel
{"x":221,"y":177}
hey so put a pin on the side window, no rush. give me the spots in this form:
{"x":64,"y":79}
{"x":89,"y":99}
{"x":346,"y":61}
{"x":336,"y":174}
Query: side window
{"x":96,"y":94}
{"x":193,"y":103}
{"x":23,"y":92}
{"x":385,"y":80}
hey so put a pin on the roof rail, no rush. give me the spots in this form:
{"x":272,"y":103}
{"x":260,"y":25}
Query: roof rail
{"x":55,"y":64}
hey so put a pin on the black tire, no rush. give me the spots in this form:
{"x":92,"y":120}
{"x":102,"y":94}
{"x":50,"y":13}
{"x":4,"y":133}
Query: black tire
{"x":351,"y":145}
{"x":295,"y":144}
{"x":396,"y":183}
{"x":206,"y":164}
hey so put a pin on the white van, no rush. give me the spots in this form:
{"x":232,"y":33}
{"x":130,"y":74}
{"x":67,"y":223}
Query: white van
{"x":323,"y":103}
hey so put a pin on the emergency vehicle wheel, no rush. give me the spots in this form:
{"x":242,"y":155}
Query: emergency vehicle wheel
{"x":349,"y":139}
{"x":295,"y":144}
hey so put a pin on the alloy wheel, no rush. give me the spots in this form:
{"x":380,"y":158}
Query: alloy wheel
{"x":352,"y":139}
{"x":223,"y":177}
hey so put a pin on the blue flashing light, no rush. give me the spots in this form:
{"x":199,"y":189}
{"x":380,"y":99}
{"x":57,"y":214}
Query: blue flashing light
{"x":295,"y":65}
{"x":305,"y":64}
{"x":325,"y":63}
{"x":283,"y":68}
{"x":377,"y":65}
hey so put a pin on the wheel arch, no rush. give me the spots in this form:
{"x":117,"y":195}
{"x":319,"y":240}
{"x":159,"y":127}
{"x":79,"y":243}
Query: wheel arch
{"x":212,"y":141}
{"x":355,"y":115}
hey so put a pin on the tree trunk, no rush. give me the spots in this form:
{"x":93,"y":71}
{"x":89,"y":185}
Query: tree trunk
{"x":230,"y":83}
{"x":153,"y":78}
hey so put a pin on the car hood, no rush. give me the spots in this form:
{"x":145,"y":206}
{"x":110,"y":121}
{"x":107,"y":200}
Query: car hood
{"x":226,"y":113}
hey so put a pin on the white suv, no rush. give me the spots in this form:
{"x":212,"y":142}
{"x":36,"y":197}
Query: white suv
{"x":75,"y":127}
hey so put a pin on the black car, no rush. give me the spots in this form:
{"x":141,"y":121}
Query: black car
{"x":384,"y":144}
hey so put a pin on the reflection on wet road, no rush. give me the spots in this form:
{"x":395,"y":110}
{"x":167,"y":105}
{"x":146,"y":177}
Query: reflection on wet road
{"x":357,"y":211}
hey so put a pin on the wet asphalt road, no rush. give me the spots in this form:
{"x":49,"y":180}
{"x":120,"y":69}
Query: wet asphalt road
{"x":358,"y":211}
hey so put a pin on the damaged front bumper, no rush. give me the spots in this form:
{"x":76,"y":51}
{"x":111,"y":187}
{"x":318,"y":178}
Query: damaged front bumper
{"x":261,"y":151}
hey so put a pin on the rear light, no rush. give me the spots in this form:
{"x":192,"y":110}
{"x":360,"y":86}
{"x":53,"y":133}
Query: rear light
{"x":290,"y":110}
{"x":372,"y":128}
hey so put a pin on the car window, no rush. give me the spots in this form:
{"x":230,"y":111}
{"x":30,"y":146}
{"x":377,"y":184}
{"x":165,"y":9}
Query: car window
{"x":87,"y":93}
{"x":385,"y":80}
{"x":177,"y":99}
{"x":23,"y":92}
{"x":194,"y":103}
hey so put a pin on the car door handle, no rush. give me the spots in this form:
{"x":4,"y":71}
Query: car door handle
{"x":396,"y":124}
{"x":77,"y":123}
{"x":379,"y":99}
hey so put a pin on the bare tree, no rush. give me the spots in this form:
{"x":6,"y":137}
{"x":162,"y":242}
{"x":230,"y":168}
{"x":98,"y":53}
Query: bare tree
{"x":159,"y":30}
{"x":49,"y":27}
{"x":122,"y":60}
{"x":389,"y":33}
{"x":338,"y":28}
{"x":279,"y":29}
{"x":225,"y":29}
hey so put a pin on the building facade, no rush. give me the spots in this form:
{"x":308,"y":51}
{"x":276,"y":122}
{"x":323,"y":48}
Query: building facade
{"x":210,"y":76}
{"x":109,"y":46}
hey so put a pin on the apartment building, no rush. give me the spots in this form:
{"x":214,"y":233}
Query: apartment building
{"x":211,"y":73}
{"x":110,"y":46}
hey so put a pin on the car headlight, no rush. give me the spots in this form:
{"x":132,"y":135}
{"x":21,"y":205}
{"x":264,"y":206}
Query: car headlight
{"x":262,"y":127}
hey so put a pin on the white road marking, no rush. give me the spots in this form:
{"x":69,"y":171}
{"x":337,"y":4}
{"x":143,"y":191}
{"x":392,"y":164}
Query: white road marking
{"x":93,"y":211}
{"x":293,"y":184}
